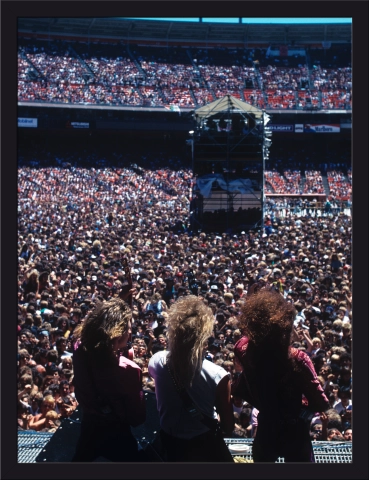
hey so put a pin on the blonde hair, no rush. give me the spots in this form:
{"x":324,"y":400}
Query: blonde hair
{"x":337,"y":350}
{"x":190,"y":323}
{"x":96,"y":244}
{"x":51,"y":415}
{"x":139,"y":361}
{"x":156,"y":297}
{"x":337,"y":323}
{"x":48,"y":400}
{"x":34,"y":271}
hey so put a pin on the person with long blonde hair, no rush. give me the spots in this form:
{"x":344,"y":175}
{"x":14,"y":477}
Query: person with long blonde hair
{"x":191,"y":392}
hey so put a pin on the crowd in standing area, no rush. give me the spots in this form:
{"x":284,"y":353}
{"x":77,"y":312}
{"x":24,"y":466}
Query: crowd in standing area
{"x":75,"y":225}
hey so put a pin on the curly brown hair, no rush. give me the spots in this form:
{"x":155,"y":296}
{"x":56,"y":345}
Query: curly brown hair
{"x":267,"y":319}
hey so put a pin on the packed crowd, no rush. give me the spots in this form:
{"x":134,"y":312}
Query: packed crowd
{"x":277,"y":98}
{"x":110,"y":71}
{"x":313,"y":182}
{"x":332,"y":78}
{"x":339,"y":186}
{"x":232,"y":77}
{"x":289,"y":183}
{"x":283,"y":77}
{"x":58,"y":65}
{"x":79,"y":73}
{"x":302,"y":206}
{"x":76,"y":224}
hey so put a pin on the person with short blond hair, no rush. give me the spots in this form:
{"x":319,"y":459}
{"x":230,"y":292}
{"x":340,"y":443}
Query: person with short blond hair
{"x":37,"y":422}
{"x":316,"y":345}
{"x":228,"y":298}
{"x":52,"y":422}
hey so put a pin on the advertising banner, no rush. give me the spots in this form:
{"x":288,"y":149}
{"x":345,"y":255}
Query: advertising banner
{"x":27,"y":122}
{"x":80,"y":124}
{"x":299,"y":128}
{"x":281,"y":128}
{"x":309,"y":128}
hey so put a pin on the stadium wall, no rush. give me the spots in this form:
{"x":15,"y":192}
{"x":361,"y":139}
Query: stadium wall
{"x":79,"y":120}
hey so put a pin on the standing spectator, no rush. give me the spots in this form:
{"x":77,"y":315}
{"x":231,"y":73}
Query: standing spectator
{"x":347,"y":434}
{"x":43,"y":282}
{"x":186,"y":436}
{"x":61,"y":348}
{"x":31,"y":282}
{"x":37,"y":422}
{"x":23,"y":416}
{"x":243,"y":427}
{"x":275,"y":378}
{"x":343,"y":402}
{"x":107,"y":386}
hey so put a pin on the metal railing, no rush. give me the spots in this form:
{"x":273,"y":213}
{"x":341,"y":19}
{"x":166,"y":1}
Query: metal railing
{"x":324,"y":451}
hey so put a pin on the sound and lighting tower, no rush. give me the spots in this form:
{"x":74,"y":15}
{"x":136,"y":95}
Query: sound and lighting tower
{"x":230,"y":145}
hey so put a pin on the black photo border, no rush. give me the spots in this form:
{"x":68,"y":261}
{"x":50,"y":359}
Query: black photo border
{"x":10,"y":11}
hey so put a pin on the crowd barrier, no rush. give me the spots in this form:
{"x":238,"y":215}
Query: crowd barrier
{"x":32,"y":445}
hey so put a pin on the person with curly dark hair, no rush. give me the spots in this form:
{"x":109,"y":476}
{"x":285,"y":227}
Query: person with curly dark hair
{"x":108,"y":386}
{"x":277,"y":379}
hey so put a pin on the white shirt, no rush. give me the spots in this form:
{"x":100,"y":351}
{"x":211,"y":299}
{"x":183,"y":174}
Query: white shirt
{"x":174,"y":418}
{"x":339,"y":407}
{"x":153,"y":324}
{"x":254,"y":419}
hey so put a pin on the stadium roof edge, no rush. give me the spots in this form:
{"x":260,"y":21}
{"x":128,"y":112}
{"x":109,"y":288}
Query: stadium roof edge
{"x":130,"y":30}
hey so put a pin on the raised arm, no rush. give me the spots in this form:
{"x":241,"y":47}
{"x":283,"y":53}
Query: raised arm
{"x":36,"y":422}
{"x":306,"y":335}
